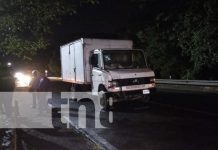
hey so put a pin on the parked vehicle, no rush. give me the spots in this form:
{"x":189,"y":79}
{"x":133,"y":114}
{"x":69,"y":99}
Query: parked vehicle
{"x":109,"y":67}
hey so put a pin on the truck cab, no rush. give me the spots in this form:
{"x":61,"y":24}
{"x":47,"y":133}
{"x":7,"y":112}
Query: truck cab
{"x":121,"y":74}
{"x":109,"y":69}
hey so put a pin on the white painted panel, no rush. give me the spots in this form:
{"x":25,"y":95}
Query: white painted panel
{"x":71,"y":63}
{"x":79,"y":62}
{"x":65,"y":62}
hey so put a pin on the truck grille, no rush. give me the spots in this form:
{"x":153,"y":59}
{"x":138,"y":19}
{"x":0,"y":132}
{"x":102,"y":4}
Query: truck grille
{"x":133,"y":81}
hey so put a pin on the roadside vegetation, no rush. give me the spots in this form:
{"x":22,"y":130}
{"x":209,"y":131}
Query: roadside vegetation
{"x":179,"y":37}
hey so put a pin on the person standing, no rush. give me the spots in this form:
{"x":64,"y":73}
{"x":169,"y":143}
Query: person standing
{"x":34,"y":85}
{"x":43,"y":88}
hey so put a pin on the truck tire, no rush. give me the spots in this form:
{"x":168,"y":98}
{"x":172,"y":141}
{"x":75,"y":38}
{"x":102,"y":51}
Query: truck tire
{"x":103,"y":98}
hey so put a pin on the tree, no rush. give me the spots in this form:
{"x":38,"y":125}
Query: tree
{"x":198,"y":38}
{"x":25,"y":24}
{"x":159,"y":39}
{"x":54,"y":65}
{"x":181,"y":40}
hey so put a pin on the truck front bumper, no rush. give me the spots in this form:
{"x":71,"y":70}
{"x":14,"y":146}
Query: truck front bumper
{"x":130,"y":95}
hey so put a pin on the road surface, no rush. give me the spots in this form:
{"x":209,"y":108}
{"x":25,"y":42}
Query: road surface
{"x":171,"y":121}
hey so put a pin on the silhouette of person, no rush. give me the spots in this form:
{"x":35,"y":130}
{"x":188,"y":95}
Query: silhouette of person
{"x":33,"y":86}
{"x":43,"y":88}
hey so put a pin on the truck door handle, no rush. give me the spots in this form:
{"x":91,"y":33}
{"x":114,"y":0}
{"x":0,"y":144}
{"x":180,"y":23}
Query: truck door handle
{"x":99,"y":75}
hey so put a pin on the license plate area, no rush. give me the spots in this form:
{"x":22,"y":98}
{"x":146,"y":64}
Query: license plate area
{"x":145,"y":91}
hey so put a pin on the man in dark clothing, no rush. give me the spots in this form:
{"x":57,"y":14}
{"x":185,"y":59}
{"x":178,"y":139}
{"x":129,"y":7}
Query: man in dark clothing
{"x":39,"y":85}
{"x":34,"y":85}
{"x":43,"y":88}
{"x":44,"y":84}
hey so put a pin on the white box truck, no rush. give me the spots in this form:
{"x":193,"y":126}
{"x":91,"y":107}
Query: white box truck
{"x":110,"y":67}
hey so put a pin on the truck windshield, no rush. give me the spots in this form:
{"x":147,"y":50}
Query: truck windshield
{"x":123,"y":59}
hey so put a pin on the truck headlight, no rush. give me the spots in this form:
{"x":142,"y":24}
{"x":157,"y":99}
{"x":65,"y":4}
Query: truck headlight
{"x":112,"y":84}
{"x":152,"y":79}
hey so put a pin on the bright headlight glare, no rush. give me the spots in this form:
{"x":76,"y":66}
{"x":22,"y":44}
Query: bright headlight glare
{"x":22,"y":79}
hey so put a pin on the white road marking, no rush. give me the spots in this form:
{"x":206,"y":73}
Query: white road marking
{"x":93,"y":136}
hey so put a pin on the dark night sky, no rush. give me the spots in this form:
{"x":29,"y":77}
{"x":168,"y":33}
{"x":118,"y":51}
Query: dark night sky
{"x":102,"y":20}
{"x":108,"y":19}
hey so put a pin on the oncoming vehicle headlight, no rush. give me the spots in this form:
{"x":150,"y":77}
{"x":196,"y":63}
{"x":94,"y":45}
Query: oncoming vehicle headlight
{"x":112,"y":84}
{"x":23,"y":80}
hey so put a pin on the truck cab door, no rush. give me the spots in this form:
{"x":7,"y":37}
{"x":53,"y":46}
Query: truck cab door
{"x":96,"y":74}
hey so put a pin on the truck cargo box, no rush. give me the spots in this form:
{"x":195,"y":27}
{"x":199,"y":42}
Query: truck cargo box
{"x":75,"y":57}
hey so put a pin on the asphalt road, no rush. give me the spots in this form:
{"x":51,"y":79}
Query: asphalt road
{"x":43,"y":139}
{"x":172,"y":121}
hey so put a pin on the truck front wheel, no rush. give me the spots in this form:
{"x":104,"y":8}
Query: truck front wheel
{"x":103,"y":98}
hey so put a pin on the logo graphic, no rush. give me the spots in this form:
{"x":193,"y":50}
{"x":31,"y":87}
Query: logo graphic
{"x":53,"y":110}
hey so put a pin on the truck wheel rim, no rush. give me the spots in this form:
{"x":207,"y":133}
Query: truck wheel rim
{"x":102,"y":98}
